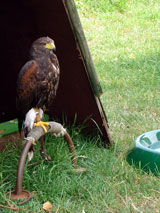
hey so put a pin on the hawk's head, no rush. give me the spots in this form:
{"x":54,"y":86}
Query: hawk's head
{"x":43,"y":44}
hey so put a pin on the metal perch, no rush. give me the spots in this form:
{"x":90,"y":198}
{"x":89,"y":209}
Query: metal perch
{"x":34,"y":135}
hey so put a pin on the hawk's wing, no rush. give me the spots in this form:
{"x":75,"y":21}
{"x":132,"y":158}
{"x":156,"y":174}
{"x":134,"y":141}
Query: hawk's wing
{"x":26,"y":87}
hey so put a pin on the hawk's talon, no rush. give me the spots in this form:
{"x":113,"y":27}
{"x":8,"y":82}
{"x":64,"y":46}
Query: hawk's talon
{"x":42,"y":124}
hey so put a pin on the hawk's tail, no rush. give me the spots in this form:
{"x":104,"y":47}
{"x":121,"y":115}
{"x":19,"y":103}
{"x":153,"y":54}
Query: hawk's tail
{"x":20,"y":123}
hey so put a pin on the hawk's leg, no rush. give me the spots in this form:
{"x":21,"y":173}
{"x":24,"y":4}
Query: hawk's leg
{"x":42,"y":150}
{"x":38,"y":122}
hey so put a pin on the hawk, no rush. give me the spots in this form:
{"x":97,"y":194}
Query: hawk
{"x":37,"y":84}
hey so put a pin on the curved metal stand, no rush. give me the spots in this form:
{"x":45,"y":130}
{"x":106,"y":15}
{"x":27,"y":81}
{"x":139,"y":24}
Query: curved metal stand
{"x":71,"y":148}
{"x":23,"y":195}
{"x":19,"y":193}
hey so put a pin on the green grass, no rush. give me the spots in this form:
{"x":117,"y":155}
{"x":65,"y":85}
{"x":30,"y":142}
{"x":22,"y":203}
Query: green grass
{"x":8,"y":127}
{"x":124,"y":39}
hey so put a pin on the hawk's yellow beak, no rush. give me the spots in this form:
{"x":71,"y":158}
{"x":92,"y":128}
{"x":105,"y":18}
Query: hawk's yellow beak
{"x":50,"y":46}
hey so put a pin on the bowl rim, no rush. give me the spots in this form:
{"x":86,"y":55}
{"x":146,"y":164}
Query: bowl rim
{"x":148,"y":149}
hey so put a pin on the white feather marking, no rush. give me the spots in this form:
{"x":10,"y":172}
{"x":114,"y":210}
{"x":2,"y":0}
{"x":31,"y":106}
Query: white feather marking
{"x":54,"y":66}
{"x":29,"y":123}
{"x":29,"y":119}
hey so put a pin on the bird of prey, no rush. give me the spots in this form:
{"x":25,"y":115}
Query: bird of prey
{"x":37,"y":85}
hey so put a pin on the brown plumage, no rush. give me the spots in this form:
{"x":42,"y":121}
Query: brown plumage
{"x":38,"y":79}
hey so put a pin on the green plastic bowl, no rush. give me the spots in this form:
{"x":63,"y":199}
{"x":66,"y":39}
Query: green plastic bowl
{"x":146,"y":153}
